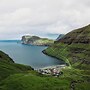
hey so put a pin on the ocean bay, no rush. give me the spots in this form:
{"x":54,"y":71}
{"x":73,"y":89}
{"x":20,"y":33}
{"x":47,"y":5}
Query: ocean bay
{"x":28,"y":54}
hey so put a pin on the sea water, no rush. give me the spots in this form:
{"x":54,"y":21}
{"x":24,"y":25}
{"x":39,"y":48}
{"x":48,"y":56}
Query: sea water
{"x":28,"y":54}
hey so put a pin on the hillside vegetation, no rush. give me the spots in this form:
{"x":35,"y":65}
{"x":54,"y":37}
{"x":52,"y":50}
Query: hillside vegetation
{"x":74,"y":49}
{"x":8,"y":67}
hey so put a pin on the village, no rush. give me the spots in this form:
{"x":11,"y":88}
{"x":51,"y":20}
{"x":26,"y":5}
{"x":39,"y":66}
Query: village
{"x":52,"y":70}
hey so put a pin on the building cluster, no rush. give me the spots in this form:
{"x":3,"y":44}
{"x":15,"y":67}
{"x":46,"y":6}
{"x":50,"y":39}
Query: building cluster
{"x":51,"y":71}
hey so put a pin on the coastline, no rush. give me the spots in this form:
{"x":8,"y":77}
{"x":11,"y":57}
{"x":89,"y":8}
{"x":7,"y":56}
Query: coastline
{"x":54,"y":57}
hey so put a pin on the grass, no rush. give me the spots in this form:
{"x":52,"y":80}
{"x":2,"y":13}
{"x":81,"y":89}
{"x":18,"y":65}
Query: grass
{"x":71,"y":54}
{"x":74,"y":55}
{"x":44,"y":41}
{"x":33,"y":82}
{"x":8,"y":67}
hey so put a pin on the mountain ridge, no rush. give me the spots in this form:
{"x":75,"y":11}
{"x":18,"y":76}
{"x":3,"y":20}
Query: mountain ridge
{"x":77,"y":36}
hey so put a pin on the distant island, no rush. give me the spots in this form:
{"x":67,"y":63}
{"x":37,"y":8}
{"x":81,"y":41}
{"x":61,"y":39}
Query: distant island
{"x":35,"y":40}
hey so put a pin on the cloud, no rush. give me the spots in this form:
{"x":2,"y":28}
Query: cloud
{"x":18,"y":17}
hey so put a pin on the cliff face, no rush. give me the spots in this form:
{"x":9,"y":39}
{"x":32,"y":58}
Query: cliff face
{"x":73,"y":48}
{"x":35,"y":40}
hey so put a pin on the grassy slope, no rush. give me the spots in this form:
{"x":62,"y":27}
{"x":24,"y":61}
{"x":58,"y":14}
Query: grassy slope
{"x":71,"y":54}
{"x":8,"y":67}
{"x":76,"y":71}
{"x":44,"y":41}
{"x":74,"y":49}
{"x":34,"y":82}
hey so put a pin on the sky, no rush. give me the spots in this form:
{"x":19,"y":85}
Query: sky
{"x":42,"y":17}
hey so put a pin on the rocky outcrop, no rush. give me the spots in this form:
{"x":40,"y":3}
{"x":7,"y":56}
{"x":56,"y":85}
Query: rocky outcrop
{"x":35,"y":40}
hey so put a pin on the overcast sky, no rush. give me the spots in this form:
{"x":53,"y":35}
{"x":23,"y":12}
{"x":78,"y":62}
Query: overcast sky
{"x":40,"y":17}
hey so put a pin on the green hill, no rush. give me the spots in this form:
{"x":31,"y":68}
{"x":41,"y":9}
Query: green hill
{"x":8,"y":67}
{"x":74,"y":49}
